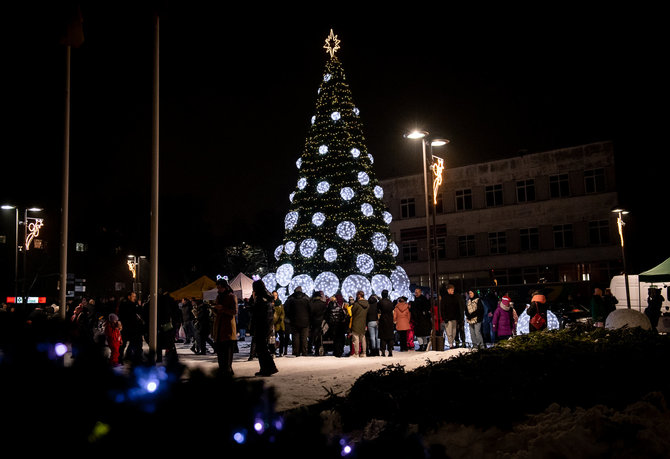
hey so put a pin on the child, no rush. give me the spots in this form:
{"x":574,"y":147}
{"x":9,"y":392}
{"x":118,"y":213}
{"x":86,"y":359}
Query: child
{"x":113,"y":334}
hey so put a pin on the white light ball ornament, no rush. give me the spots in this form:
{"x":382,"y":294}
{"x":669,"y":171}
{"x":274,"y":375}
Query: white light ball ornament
{"x":308,"y":248}
{"x":372,"y":160}
{"x":323,"y":149}
{"x":278,"y":251}
{"x":365,"y":263}
{"x":289,"y":247}
{"x":379,"y":242}
{"x":388,"y":218}
{"x":313,"y":119}
{"x":327,"y":282}
{"x":366,"y":209}
{"x":302,"y":183}
{"x":318,"y":218}
{"x":327,"y":77}
{"x":363,"y":178}
{"x":281,"y":293}
{"x":335,"y":116}
{"x":284,"y":274}
{"x":394,"y":248}
{"x":298,"y":163}
{"x":304,"y":281}
{"x":346,"y":230}
{"x":400,"y":280}
{"x":379,"y":192}
{"x":270,"y":281}
{"x":330,"y":255}
{"x":347,"y":193}
{"x":322,"y":187}
{"x":356,"y":111}
{"x":355,"y":152}
{"x":353,"y":284}
{"x":380,"y":283}
{"x":291,"y":196}
{"x":290,"y":220}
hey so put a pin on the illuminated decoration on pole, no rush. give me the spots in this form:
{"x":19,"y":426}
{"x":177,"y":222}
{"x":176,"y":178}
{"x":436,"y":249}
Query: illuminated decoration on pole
{"x":347,"y":193}
{"x":365,"y":263}
{"x":290,"y":220}
{"x":388,"y":218}
{"x":363,"y":178}
{"x":367,"y":210}
{"x":379,"y":242}
{"x":355,"y":152}
{"x":318,"y":218}
{"x":284,"y":274}
{"x":381,"y":282}
{"x":278,"y":251}
{"x":33,"y":230}
{"x":346,"y":230}
{"x":437,"y":167}
{"x":308,"y":248}
{"x":289,"y":247}
{"x":304,"y":281}
{"x":131,"y":267}
{"x":330,"y":255}
{"x":327,"y":282}
{"x":354,"y":283}
{"x":332,"y":44}
{"x":302,"y":183}
{"x":322,"y":187}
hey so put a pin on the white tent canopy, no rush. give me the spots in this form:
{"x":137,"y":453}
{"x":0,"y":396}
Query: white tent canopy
{"x":241,"y":286}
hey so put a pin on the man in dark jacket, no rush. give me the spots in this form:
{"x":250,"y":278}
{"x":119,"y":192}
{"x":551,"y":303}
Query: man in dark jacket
{"x":297,"y":310}
{"x":451,"y":311}
{"x":386,"y":329}
{"x":337,"y":319}
{"x":359,"y":314}
{"x":131,"y":333}
{"x":317,"y":311}
{"x":420,"y":311}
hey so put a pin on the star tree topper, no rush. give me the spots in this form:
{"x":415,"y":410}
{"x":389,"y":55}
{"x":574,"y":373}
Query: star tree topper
{"x":332,"y":44}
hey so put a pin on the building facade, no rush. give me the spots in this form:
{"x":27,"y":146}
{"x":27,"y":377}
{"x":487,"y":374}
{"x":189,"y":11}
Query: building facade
{"x":538,"y":218}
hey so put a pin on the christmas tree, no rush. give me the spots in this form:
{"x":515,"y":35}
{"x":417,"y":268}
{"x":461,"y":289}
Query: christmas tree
{"x":337,"y":236}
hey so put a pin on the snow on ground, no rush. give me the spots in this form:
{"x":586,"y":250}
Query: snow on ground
{"x":303,"y":381}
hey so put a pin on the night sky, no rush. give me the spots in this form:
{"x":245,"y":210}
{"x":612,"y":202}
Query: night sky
{"x":238,"y":88}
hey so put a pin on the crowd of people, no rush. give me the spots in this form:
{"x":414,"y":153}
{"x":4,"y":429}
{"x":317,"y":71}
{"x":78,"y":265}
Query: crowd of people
{"x":312,"y":325}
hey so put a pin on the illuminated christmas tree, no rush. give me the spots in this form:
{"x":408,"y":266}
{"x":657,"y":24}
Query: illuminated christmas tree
{"x":337,"y":236}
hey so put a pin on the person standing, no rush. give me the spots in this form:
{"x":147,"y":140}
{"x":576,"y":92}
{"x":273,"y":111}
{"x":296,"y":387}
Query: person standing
{"x":337,"y":319}
{"x":224,"y":332}
{"x":317,"y":311}
{"x":421,"y":316}
{"x":538,"y":305}
{"x":297,"y":311}
{"x":598,"y":312}
{"x":128,"y":313}
{"x":113,"y":330}
{"x":653,"y":309}
{"x":503,"y":325}
{"x":359,"y":314}
{"x":262,"y":315}
{"x":280,"y":327}
{"x":610,"y":302}
{"x":386,"y":332}
{"x":373,"y":325}
{"x":187,"y":320}
{"x":401,"y":318}
{"x":451,"y":307}
{"x":202,"y":328}
{"x":474,"y":313}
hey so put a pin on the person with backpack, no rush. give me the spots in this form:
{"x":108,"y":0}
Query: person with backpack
{"x":337,"y":319}
{"x":537,"y":311}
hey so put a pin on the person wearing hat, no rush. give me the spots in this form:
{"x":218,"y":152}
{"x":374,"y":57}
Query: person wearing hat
{"x":538,"y":305}
{"x":503,"y":320}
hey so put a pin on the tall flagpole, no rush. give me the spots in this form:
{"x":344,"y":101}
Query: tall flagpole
{"x":66,"y":190}
{"x":153,"y":293}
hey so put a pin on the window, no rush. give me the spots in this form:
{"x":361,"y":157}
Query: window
{"x":594,"y":181}
{"x":410,"y":251}
{"x":466,"y":246}
{"x":407,"y":208}
{"x":80,"y":247}
{"x":563,"y":236}
{"x":530,"y":239}
{"x":599,"y":232}
{"x":441,"y":248}
{"x":463,"y":199}
{"x":497,"y":243}
{"x":525,"y":190}
{"x":494,"y":195}
{"x":559,"y":186}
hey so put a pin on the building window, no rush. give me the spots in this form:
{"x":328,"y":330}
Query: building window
{"x":441,"y":248}
{"x":80,"y":247}
{"x":525,"y":190}
{"x":464,"y":199}
{"x":410,"y":251}
{"x":559,"y":186}
{"x":563,"y":236}
{"x":530,"y":239}
{"x":466,"y":246}
{"x":494,"y":195}
{"x":497,"y":243}
{"x":599,"y":232}
{"x":407,"y":208}
{"x":594,"y":181}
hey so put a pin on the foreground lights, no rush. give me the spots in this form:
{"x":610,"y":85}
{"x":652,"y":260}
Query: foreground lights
{"x":60,"y":349}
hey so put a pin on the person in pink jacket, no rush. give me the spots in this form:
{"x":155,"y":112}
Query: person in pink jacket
{"x":401,"y":318}
{"x":503,"y":320}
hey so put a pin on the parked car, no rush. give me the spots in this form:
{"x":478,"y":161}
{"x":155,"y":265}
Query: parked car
{"x":571,"y":313}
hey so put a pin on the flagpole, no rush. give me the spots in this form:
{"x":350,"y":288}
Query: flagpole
{"x":66,"y":189}
{"x":153,"y":298}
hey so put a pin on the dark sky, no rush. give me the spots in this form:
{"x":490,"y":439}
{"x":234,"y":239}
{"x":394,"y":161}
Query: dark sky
{"x":238,"y":87}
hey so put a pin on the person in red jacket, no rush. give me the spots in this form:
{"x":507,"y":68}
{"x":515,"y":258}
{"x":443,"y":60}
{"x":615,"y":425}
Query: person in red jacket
{"x":113,"y":334}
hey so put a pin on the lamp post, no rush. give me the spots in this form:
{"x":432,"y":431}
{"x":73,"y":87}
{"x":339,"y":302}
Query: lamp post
{"x":620,"y":223}
{"x":134,"y":265}
{"x":435,"y":142}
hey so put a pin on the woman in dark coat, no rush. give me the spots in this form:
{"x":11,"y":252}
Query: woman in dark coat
{"x":262,"y":315}
{"x":386,"y":330}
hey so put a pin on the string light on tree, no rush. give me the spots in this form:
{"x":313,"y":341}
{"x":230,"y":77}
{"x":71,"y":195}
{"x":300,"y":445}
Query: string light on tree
{"x":298,"y":163}
{"x":379,"y":192}
{"x":323,"y":149}
{"x":394,"y":248}
{"x":355,"y":282}
{"x":270,"y":281}
{"x":380,"y":283}
{"x":335,"y":116}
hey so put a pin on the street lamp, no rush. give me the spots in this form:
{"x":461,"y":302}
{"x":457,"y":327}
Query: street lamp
{"x":435,"y":142}
{"x":620,"y":223}
{"x":134,"y":265}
